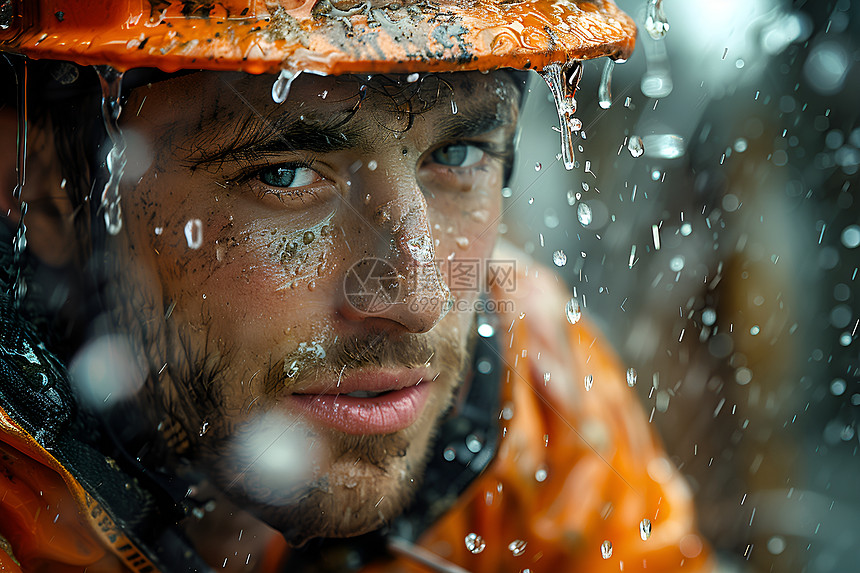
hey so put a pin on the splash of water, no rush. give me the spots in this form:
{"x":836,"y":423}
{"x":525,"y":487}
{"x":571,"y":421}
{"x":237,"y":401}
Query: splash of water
{"x":655,"y":20}
{"x":284,"y":81}
{"x":604,"y":91}
{"x":111,"y":84}
{"x":281,"y":87}
{"x":563,"y":80}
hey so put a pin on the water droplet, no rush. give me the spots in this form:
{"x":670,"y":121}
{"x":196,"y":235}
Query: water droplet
{"x":412,"y":78}
{"x":111,"y":84}
{"x":559,"y":258}
{"x":462,"y":242}
{"x":655,"y":19}
{"x":571,"y":197}
{"x":575,"y":124}
{"x":449,"y":454}
{"x":308,"y":237}
{"x":572,"y":311}
{"x":686,"y":229}
{"x":453,"y":107}
{"x":563,"y":80}
{"x":709,"y":316}
{"x":204,"y":428}
{"x":837,"y":386}
{"x":475,"y":543}
{"x":546,"y":377}
{"x":776,"y":545}
{"x":665,"y":145}
{"x":194,"y":233}
{"x":589,"y":382}
{"x":486,"y":330}
{"x":371,"y":165}
{"x":473,"y":443}
{"x":631,"y":377}
{"x":507,"y":192}
{"x":606,"y":549}
{"x":851,"y":236}
{"x":604,"y":91}
{"x":538,"y":166}
{"x":421,"y":249}
{"x":540,"y":474}
{"x":281,"y":87}
{"x":645,"y":529}
{"x":635,"y":146}
{"x":677,"y":263}
{"x":517,"y":547}
{"x":583,"y":213}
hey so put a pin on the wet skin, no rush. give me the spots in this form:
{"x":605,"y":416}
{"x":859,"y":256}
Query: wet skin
{"x":228,"y":279}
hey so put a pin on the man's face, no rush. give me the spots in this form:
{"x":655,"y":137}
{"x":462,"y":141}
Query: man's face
{"x":282,"y":271}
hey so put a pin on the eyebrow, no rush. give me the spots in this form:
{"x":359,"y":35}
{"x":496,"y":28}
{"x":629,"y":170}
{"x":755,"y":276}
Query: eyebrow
{"x":260,"y":136}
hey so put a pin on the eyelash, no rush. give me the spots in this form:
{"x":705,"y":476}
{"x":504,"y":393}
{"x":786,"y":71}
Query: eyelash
{"x":252,"y":169}
{"x":252,"y":172}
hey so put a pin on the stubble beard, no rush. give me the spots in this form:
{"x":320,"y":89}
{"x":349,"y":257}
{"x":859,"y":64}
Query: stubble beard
{"x":356,"y":483}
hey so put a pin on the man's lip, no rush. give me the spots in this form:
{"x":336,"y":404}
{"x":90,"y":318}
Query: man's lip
{"x":377,"y":380}
{"x":405,"y":396}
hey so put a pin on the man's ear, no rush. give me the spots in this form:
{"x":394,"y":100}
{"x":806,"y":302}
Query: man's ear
{"x":50,"y":228}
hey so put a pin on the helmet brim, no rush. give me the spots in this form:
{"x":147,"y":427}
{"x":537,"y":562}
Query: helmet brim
{"x":317,"y":37}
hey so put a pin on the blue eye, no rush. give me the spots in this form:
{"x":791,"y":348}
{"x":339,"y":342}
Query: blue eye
{"x":288,"y":176}
{"x":458,"y":155}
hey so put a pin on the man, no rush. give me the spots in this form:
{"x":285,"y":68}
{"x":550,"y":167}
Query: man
{"x":274,"y":360}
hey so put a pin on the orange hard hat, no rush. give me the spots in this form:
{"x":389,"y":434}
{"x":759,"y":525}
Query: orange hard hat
{"x":324,"y":36}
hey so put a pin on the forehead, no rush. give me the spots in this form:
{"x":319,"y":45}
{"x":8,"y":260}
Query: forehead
{"x":223,"y":103}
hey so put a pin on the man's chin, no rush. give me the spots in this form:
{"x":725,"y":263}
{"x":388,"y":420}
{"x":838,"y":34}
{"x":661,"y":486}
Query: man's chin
{"x":325,"y":484}
{"x":355,"y":496}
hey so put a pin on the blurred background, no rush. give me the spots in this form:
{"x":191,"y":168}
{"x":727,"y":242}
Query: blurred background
{"x":722,"y":261}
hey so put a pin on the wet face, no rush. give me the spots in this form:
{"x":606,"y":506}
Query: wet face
{"x":281,"y":273}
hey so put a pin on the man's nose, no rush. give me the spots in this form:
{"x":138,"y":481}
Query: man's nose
{"x":398,"y":277}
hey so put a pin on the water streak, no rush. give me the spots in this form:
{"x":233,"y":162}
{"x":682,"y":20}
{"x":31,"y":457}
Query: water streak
{"x":563,"y":80}
{"x":604,"y":91}
{"x":19,"y":286}
{"x":111,"y":84}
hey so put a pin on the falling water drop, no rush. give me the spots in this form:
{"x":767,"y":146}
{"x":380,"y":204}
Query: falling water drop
{"x":563,"y":80}
{"x":606,"y":549}
{"x":571,"y":197}
{"x":111,"y":84}
{"x":453,"y":107}
{"x":475,"y":543}
{"x":194,"y":233}
{"x":645,"y":529}
{"x":589,"y":382}
{"x":412,"y":78}
{"x":655,"y":19}
{"x":517,"y":547}
{"x":559,"y":258}
{"x":631,"y":377}
{"x":281,"y":87}
{"x":635,"y":146}
{"x":583,"y":213}
{"x":572,"y":311}
{"x":604,"y":91}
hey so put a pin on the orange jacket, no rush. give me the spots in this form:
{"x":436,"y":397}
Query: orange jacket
{"x":576,"y":468}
